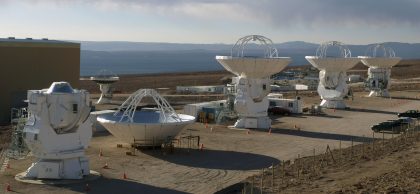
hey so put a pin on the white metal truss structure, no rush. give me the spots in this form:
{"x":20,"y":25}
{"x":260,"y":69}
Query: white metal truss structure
{"x":240,"y":45}
{"x":379,"y":50}
{"x":18,"y":148}
{"x":321,"y":52}
{"x":130,"y":106}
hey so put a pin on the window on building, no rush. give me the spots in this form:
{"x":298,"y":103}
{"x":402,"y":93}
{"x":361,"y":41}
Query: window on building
{"x":272,"y":103}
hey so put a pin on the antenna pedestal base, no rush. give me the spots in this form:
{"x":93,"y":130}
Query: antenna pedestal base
{"x":335,"y":104}
{"x":379,"y":93}
{"x":106,"y":93}
{"x":104,"y":99}
{"x":253,"y":122}
{"x":72,"y":168}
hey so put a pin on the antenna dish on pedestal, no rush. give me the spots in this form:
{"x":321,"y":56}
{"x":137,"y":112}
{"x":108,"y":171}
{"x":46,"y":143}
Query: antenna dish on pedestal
{"x":379,"y":59}
{"x":148,"y":126}
{"x":253,"y":80}
{"x":379,"y":56}
{"x":105,"y":78}
{"x":332,"y":76}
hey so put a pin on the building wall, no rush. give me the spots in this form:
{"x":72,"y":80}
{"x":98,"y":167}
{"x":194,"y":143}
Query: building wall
{"x":219,"y":89}
{"x":34,"y":65}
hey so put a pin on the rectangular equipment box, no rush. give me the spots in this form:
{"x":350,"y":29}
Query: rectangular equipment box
{"x":49,"y":170}
{"x":251,"y":123}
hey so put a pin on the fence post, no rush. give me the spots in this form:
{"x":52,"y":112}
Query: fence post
{"x":373,"y":142}
{"x":341,"y":154}
{"x":383,"y":139}
{"x":252,"y":185}
{"x":284,"y":172}
{"x":314,"y":165}
{"x":351,"y":148}
{"x":297,"y":164}
{"x":272,"y":176}
{"x":363,"y":147}
{"x":262,"y":181}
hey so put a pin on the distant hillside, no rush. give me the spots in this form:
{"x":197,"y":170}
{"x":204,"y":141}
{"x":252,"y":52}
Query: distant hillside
{"x":405,"y":50}
{"x":143,"y":57}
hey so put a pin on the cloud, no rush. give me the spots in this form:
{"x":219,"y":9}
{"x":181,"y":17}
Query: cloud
{"x":343,"y":13}
{"x":280,"y":13}
{"x":275,"y":13}
{"x":199,"y":9}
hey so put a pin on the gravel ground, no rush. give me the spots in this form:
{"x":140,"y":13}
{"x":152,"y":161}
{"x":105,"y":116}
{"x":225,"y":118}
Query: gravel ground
{"x":229,"y":156}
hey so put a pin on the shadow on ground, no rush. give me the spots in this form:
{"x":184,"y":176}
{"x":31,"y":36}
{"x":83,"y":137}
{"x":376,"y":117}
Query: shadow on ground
{"x":324,"y":116}
{"x":107,"y":185}
{"x":101,"y":133}
{"x":405,"y":98}
{"x":370,"y":111}
{"x":303,"y":116}
{"x":216,"y":159}
{"x":321,"y":135}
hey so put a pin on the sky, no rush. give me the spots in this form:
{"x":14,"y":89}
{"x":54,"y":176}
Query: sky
{"x":213,"y":21}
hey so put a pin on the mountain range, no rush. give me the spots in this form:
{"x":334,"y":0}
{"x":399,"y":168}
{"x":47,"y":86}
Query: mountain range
{"x":123,"y":57}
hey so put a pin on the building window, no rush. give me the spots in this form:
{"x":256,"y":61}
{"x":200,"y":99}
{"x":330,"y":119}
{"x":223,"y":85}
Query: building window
{"x":272,"y":103}
{"x":290,"y":104}
{"x":75,"y":108}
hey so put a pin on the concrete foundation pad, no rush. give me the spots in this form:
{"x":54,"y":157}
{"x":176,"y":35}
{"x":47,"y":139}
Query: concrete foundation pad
{"x":91,"y":177}
{"x":236,"y":128}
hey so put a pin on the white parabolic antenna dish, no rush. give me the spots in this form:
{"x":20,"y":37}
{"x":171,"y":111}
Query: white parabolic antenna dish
{"x":253,"y":67}
{"x":332,"y":64}
{"x":342,"y":62}
{"x":105,"y":76}
{"x":146,"y":127}
{"x":379,"y":56}
{"x":380,"y":62}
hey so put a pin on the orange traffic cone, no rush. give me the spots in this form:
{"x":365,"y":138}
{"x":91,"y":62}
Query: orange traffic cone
{"x":8,"y":187}
{"x":247,"y":132}
{"x":106,"y":166}
{"x":207,"y":126}
{"x":124,"y":176}
{"x":87,"y":188}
